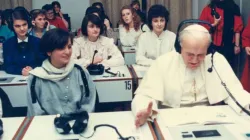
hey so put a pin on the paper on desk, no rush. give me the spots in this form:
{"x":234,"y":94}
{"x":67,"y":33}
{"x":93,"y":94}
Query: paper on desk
{"x":195,"y":115}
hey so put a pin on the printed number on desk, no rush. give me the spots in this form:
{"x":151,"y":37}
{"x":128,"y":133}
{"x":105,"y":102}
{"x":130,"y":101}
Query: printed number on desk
{"x":128,"y":85}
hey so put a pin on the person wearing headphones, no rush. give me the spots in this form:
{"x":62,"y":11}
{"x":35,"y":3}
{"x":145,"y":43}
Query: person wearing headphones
{"x":186,"y":78}
{"x":39,"y":23}
{"x":21,"y":52}
{"x":159,"y":40}
{"x":60,"y":86}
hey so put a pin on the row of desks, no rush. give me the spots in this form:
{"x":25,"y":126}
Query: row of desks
{"x":167,"y":126}
{"x":110,"y":88}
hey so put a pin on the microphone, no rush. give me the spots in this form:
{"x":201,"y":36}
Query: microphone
{"x":225,"y":86}
{"x":94,"y":56}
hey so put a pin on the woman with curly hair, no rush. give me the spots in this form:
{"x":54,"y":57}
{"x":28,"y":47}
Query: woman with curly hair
{"x":130,"y":27}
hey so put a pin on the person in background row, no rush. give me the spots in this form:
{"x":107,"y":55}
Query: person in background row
{"x":6,"y":16}
{"x":39,"y":23}
{"x":226,"y":35}
{"x":59,"y":87}
{"x":99,"y":5}
{"x":4,"y":30}
{"x":21,"y":52}
{"x":159,"y":40}
{"x":136,"y":5}
{"x":181,"y":78}
{"x":245,"y":79}
{"x":5,"y":33}
{"x":130,"y":27}
{"x":58,"y":13}
{"x":85,"y":46}
{"x":107,"y":30}
{"x":52,"y":19}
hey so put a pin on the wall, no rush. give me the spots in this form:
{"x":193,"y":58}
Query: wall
{"x":75,"y":9}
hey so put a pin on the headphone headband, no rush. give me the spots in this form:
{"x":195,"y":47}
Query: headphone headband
{"x":196,"y":21}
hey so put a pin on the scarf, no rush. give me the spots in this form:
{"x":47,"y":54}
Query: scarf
{"x":49,"y":72}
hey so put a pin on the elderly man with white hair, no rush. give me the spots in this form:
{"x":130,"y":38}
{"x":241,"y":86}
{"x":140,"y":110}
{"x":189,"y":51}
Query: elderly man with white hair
{"x":182,"y":79}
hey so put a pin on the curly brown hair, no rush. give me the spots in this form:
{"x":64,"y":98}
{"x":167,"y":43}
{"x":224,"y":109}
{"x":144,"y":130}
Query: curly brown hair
{"x":136,"y":19}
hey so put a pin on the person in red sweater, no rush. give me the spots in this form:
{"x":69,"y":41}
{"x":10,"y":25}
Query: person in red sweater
{"x":245,"y":79}
{"x":53,"y":20}
{"x":227,"y":27}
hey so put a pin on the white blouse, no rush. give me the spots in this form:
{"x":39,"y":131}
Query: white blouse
{"x":83,"y":51}
{"x":150,"y":46}
{"x":129,"y":38}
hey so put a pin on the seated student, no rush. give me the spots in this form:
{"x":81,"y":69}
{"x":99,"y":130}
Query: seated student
{"x":159,"y":40}
{"x":59,"y":87}
{"x":21,"y":52}
{"x":85,"y":46}
{"x":99,"y":5}
{"x":52,"y":19}
{"x":182,"y":78}
{"x":130,"y":27}
{"x":4,"y":30}
{"x":107,"y":30}
{"x":5,"y":33}
{"x":58,"y":13}
{"x":40,"y":24}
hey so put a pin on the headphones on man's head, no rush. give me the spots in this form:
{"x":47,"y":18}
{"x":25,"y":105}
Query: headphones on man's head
{"x":62,"y":125}
{"x":177,"y":41}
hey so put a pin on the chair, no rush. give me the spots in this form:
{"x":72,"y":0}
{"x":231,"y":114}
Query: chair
{"x":8,"y":109}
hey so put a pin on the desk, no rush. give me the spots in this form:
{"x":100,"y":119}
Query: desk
{"x":128,"y":54}
{"x":110,"y":89}
{"x":114,"y":89}
{"x":42,"y":127}
{"x":15,"y":86}
{"x":139,"y":72}
{"x":172,"y":118}
{"x":11,"y":126}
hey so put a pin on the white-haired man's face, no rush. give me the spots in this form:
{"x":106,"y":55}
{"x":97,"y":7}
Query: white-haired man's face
{"x":193,"y":51}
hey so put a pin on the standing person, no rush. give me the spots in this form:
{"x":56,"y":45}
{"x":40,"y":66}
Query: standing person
{"x":245,"y":79}
{"x":39,"y":23}
{"x":158,"y":40}
{"x":228,"y":25}
{"x":59,"y":86}
{"x":130,"y":27}
{"x":53,"y":20}
{"x":21,"y":53}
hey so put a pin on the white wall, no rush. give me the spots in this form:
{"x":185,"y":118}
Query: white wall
{"x":75,"y":9}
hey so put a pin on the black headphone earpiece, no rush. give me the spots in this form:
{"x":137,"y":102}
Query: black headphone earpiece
{"x":194,"y":21}
{"x":62,"y":125}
